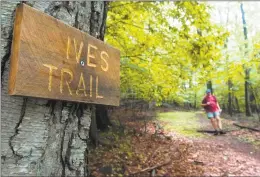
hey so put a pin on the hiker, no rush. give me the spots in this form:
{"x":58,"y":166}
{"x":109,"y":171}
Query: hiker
{"x":213,"y":110}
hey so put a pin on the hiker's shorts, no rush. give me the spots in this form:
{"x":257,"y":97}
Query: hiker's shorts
{"x":213,"y":114}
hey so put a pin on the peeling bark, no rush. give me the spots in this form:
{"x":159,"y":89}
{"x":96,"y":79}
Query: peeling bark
{"x":96,"y":16}
{"x":103,"y":24}
{"x":43,"y":137}
{"x":7,"y":20}
{"x":17,"y":130}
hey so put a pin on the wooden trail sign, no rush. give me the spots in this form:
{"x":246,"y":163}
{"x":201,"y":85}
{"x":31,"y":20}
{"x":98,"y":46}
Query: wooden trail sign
{"x":50,"y":59}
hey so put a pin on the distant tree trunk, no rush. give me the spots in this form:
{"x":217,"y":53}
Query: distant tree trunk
{"x":43,"y":137}
{"x":230,"y":111}
{"x":229,"y":82}
{"x":247,"y":70}
{"x":254,"y":93}
{"x":195,"y":100}
{"x":237,"y":105}
{"x":247,"y":94}
{"x":209,"y":86}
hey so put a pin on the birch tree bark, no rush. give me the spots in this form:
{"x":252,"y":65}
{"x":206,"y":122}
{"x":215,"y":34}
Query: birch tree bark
{"x":44,"y":137}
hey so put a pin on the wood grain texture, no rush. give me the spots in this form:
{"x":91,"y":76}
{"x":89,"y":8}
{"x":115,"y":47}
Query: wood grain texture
{"x":50,"y":59}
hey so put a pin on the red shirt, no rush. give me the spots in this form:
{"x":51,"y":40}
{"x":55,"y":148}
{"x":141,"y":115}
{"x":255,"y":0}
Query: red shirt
{"x":213,"y":103}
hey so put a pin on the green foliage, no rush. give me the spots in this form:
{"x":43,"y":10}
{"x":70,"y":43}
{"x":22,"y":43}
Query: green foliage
{"x":232,"y":67}
{"x":167,"y":48}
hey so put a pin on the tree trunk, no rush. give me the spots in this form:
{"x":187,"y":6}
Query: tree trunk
{"x":247,"y":70}
{"x":209,"y":86}
{"x":254,"y":93}
{"x":237,"y":104}
{"x":247,"y":94}
{"x":43,"y":137}
{"x":195,"y":100}
{"x":102,"y":117}
{"x":230,"y":110}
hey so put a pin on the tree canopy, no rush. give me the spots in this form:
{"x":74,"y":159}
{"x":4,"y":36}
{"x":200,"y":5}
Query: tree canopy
{"x":169,"y":50}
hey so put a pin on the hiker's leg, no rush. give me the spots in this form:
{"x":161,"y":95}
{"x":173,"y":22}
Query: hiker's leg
{"x":213,"y":123}
{"x":211,"y":117}
{"x":215,"y":126}
{"x":219,"y":123}
{"x":218,"y":120}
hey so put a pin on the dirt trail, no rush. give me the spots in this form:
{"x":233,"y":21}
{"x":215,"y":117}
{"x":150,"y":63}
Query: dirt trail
{"x":229,"y":140}
{"x":225,"y":154}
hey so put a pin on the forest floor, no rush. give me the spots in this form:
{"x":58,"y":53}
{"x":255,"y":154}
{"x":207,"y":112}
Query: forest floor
{"x":173,"y":143}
